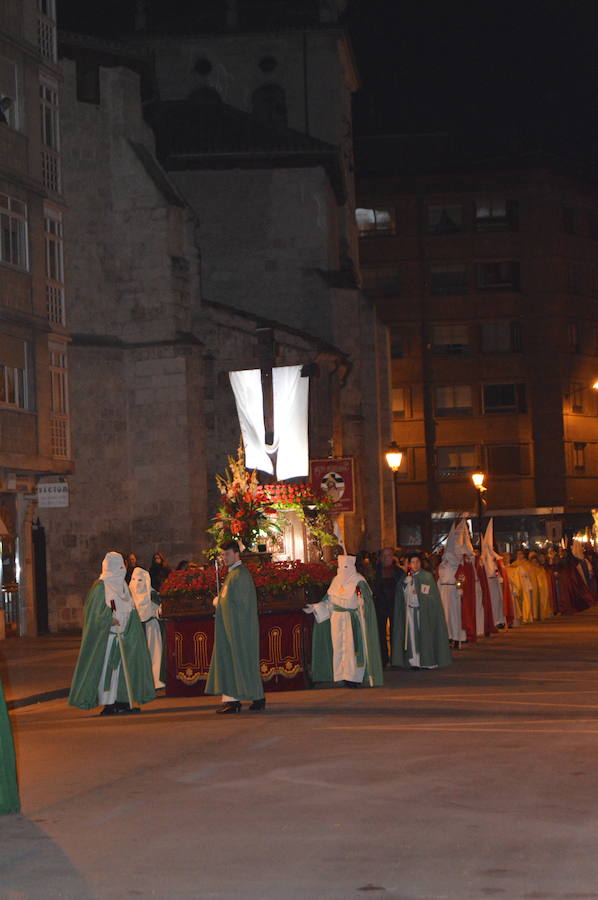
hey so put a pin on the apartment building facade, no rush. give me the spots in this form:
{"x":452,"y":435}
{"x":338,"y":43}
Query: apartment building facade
{"x":34,"y":405}
{"x":487,"y":274}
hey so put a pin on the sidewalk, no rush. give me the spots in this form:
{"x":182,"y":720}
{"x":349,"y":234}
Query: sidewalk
{"x":37,"y":669}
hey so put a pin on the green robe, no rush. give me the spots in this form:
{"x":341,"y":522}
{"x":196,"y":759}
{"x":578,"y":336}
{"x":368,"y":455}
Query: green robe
{"x":9,"y":791}
{"x":235,"y":664}
{"x":322,"y":654}
{"x":96,"y":631}
{"x":431,"y":635}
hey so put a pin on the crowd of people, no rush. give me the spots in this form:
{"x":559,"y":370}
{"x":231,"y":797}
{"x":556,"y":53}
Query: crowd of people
{"x":482,"y":591}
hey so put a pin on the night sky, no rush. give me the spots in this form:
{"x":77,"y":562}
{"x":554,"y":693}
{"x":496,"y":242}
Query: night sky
{"x":519,"y":66}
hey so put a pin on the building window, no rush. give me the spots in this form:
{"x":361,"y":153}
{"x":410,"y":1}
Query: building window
{"x":576,"y":397}
{"x":9,"y":109}
{"x":14,"y":380}
{"x":501,"y":336}
{"x":59,"y":405}
{"x":376,"y":221}
{"x":450,"y":339}
{"x":46,"y":29}
{"x":495,"y":214}
{"x":569,"y":220}
{"x":573,"y":345}
{"x":399,"y":402}
{"x":13,"y":232}
{"x":448,"y":279}
{"x":508,"y":459}
{"x":454,"y":400}
{"x":445,"y":219}
{"x":579,"y":456}
{"x":455,"y":461}
{"x":49,"y":111}
{"x":498,"y":276}
{"x":54,"y":266}
{"x":269,"y":105}
{"x":504,"y":398}
{"x":397,"y":347}
{"x":381,"y":281}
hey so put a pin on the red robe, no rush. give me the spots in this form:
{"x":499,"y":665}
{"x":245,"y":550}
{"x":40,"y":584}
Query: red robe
{"x":466,"y":574}
{"x":489,"y":626}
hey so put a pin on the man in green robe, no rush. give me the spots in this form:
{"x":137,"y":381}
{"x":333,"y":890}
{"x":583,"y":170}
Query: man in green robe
{"x":345,"y":644}
{"x":9,"y":791}
{"x":99,"y":675}
{"x":420,"y":637}
{"x":235,"y":665}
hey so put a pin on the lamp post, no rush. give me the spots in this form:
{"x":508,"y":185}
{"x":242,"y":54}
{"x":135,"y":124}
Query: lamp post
{"x":478,"y":483}
{"x":394,"y":458}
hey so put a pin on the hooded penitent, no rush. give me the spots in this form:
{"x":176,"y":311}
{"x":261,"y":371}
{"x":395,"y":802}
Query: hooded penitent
{"x":345,"y":638}
{"x":489,"y":561}
{"x":145,"y":600}
{"x":466,"y":576}
{"x":449,"y":590}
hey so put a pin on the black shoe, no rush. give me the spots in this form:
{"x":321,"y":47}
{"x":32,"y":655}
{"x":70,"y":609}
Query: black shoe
{"x":353,"y":684}
{"x":109,"y":710}
{"x":231,"y":706}
{"x":257,"y":704}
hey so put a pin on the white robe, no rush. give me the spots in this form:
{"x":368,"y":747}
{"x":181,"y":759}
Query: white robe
{"x":141,"y":591}
{"x":451,"y":600}
{"x":124,"y":606}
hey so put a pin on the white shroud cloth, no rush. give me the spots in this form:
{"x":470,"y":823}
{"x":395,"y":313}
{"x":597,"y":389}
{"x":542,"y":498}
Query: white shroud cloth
{"x":141,"y":591}
{"x":117,"y":592}
{"x":342,"y":592}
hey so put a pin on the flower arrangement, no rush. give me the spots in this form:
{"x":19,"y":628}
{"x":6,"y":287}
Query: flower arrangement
{"x":269,"y":577}
{"x":245,"y":513}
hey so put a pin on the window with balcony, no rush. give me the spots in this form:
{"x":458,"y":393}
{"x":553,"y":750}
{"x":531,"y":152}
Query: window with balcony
{"x":46,"y":29}
{"x":508,"y":459}
{"x":50,"y":134}
{"x":501,"y":336}
{"x":498,"y":276}
{"x":59,"y":401}
{"x":448,"y":279}
{"x":573,"y":344}
{"x":576,"y":396}
{"x":454,"y":400}
{"x":495,"y":214}
{"x":450,"y":339}
{"x":54,"y":266}
{"x":455,"y":461}
{"x":14,"y":249}
{"x":504,"y":398}
{"x":445,"y":219}
{"x":14,"y":373}
{"x":376,"y":221}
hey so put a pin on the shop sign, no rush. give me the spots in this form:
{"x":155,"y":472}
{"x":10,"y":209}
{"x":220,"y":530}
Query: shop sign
{"x":53,"y":494}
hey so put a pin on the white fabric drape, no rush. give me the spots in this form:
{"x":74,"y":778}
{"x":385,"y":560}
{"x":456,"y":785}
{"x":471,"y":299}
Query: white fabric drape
{"x":291,"y":393}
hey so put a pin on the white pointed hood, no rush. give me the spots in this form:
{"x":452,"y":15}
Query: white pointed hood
{"x":346,"y":579}
{"x":141,"y":592}
{"x":451,"y":559}
{"x":113,"y":576}
{"x":489,"y":555}
{"x":464,"y":545}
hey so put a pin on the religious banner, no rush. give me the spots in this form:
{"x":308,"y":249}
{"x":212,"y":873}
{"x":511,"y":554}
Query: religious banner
{"x":336,"y":478}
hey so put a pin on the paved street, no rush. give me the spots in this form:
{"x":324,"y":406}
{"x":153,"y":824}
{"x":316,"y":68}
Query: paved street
{"x":473,"y":782}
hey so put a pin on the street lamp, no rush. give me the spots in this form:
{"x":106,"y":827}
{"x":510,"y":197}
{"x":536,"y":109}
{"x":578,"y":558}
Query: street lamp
{"x":394,"y":458}
{"x":478,"y":483}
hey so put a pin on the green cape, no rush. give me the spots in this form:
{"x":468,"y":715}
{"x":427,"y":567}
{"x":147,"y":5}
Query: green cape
{"x":431,"y":636}
{"x":321,"y":649}
{"x":235,"y":664}
{"x":96,"y":630}
{"x":9,"y":791}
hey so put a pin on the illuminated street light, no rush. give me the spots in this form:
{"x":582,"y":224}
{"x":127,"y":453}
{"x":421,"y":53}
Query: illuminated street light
{"x":478,"y":483}
{"x":394,"y":456}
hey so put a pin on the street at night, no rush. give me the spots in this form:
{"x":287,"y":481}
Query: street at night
{"x":475,"y":781}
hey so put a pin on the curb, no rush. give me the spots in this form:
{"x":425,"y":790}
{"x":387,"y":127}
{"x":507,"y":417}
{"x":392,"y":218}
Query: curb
{"x":33,"y":699}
